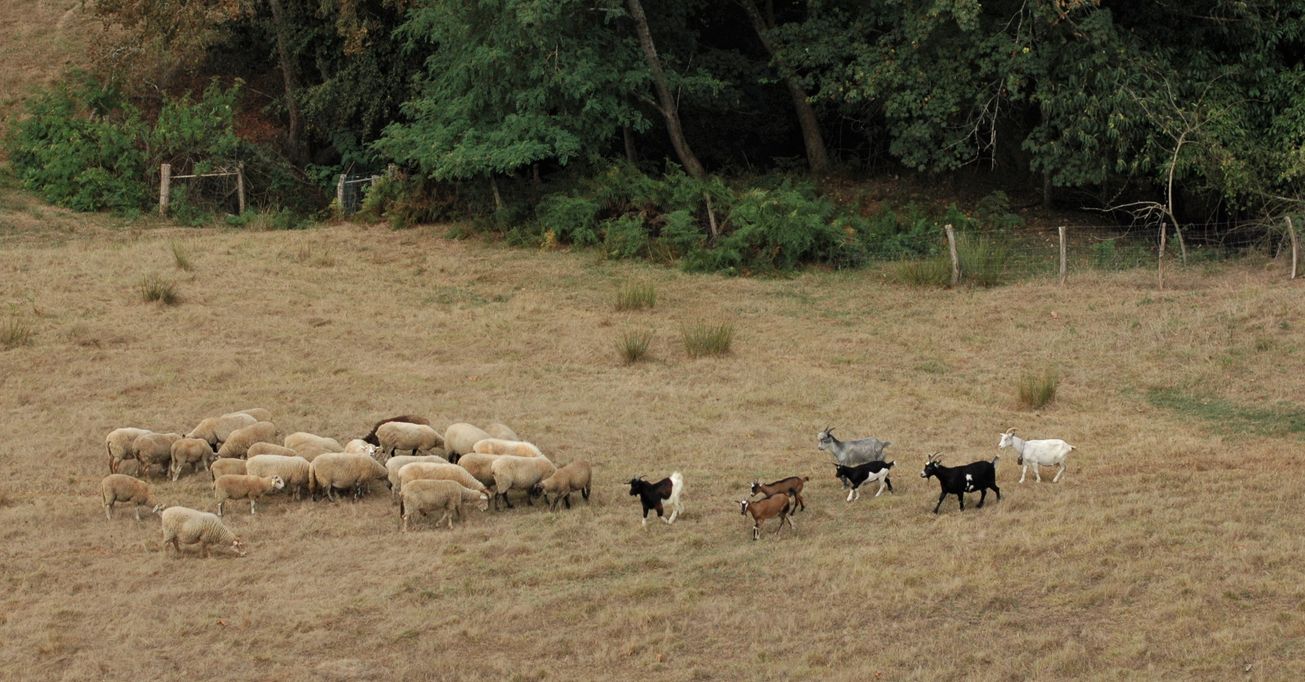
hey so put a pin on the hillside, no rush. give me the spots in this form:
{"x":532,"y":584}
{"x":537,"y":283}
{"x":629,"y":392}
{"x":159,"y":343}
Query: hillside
{"x":39,"y":41}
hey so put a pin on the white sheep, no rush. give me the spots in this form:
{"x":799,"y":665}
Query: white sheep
{"x":461,"y":438}
{"x":519,"y":473}
{"x":503,"y":431}
{"x":238,"y":441}
{"x":119,"y":445}
{"x":258,"y":413}
{"x":498,"y":446}
{"x":427,"y":495}
{"x":296,"y":471}
{"x":415,"y":471}
{"x":244,"y":487}
{"x":184,"y":526}
{"x":122,"y":488}
{"x":1037,"y":453}
{"x":480,"y":466}
{"x":190,"y":452}
{"x":269,"y":449}
{"x":395,"y":436}
{"x":226,"y":465}
{"x":154,"y":451}
{"x":359,"y":446}
{"x":311,"y":445}
{"x":345,"y":471}
{"x":215,"y":430}
{"x":566,"y":480}
{"x":394,"y":464}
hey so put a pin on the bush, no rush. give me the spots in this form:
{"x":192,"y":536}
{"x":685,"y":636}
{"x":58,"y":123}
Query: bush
{"x":571,"y":219}
{"x":781,"y":228}
{"x":633,"y":346}
{"x":181,"y":256}
{"x":636,"y":297}
{"x":1037,"y":388}
{"x":708,"y":339}
{"x":625,"y":237}
{"x":994,"y":213}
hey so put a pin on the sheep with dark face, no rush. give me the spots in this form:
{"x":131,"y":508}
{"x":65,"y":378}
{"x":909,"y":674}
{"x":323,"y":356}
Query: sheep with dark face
{"x":371,"y":436}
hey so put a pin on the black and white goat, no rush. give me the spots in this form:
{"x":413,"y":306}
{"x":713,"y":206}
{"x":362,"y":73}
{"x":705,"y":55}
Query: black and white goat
{"x":853,"y":477}
{"x":975,"y":476}
{"x":791,"y":486}
{"x":651,"y":495}
{"x":770,"y":506}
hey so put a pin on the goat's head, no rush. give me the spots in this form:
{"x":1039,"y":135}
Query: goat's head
{"x":637,"y":485}
{"x":826,"y":438}
{"x":1007,"y":439}
{"x":756,"y":487}
{"x":931,"y":465}
{"x":743,"y":507}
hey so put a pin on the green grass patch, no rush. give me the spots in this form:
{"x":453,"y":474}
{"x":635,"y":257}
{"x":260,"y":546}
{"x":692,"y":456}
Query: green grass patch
{"x":15,"y":333}
{"x":927,"y":272}
{"x":633,"y":346}
{"x":1279,"y":420}
{"x":635,"y":296}
{"x":157,"y":289}
{"x":1037,"y":388}
{"x":702,"y":339}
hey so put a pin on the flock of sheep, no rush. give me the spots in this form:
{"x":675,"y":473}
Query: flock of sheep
{"x":480,"y":466}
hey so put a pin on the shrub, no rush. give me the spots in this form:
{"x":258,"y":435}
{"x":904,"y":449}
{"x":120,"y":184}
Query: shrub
{"x":625,"y":237}
{"x":571,"y":218}
{"x":633,"y":346}
{"x":1037,"y":388}
{"x":636,"y":297}
{"x":181,"y":256}
{"x":15,"y":333}
{"x":154,"y":288}
{"x":702,"y":339}
{"x":778,"y":229}
{"x":924,"y":272}
{"x":994,"y":213}
{"x":681,"y":233}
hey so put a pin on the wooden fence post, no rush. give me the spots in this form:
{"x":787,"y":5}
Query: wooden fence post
{"x":1064,"y":264}
{"x":165,"y":187}
{"x":240,"y":188}
{"x":339,"y":194}
{"x":951,"y":247}
{"x":1163,"y":232}
{"x":1295,"y":247}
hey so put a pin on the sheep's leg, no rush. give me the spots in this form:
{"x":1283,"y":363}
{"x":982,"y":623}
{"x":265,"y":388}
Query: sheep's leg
{"x":567,"y":499}
{"x":108,"y":511}
{"x":506,"y":501}
{"x":203,"y":549}
{"x":445,"y":517}
{"x":585,"y":492}
{"x":219,"y":509}
{"x":137,"y":513}
{"x":251,"y":506}
{"x":1058,"y":473}
{"x":403,"y":523}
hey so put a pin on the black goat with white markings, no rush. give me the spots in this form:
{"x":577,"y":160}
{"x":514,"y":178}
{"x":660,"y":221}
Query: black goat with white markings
{"x":975,"y":476}
{"x":651,"y":495}
{"x":853,"y":477}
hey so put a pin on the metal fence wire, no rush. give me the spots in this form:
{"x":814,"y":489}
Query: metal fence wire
{"x":350,"y":190}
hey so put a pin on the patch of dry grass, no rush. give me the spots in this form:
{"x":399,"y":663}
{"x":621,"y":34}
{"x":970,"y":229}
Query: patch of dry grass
{"x":1125,"y":569}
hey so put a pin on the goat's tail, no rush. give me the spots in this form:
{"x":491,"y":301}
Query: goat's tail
{"x":677,"y":485}
{"x":994,"y":459}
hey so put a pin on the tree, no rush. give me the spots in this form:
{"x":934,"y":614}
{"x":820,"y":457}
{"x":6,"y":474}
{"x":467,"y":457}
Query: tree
{"x":665,"y":103}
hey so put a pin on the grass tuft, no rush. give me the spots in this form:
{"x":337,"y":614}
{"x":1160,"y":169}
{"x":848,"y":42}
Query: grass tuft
{"x":15,"y":333}
{"x":633,"y":346}
{"x":926,"y":272}
{"x":156,"y":289}
{"x":1038,"y":388}
{"x":181,"y":256}
{"x":983,"y":261}
{"x":702,"y":339}
{"x":633,"y":296}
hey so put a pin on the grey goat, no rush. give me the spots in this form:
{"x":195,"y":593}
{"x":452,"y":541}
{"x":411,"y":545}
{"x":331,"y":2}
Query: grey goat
{"x":853,"y":452}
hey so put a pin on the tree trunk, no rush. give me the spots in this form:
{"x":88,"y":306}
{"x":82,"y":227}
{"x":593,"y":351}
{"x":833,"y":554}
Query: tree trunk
{"x":817,"y":156}
{"x":665,"y":101}
{"x":287,"y":74}
{"x":628,"y":135}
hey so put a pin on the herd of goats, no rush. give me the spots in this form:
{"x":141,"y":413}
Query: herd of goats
{"x":238,"y":450}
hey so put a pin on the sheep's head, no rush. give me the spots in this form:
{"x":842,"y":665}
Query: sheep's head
{"x":278,"y":482}
{"x":238,"y":546}
{"x":825,"y":438}
{"x":931,"y":465}
{"x":1007,"y":439}
{"x":484,"y":502}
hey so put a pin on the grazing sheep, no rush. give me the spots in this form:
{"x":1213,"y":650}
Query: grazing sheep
{"x":406,"y":418}
{"x":258,"y":413}
{"x":122,"y":488}
{"x":480,"y":466}
{"x":216,"y":430}
{"x":418,"y":438}
{"x":651,"y":495}
{"x":518,"y":473}
{"x":346,"y":471}
{"x":119,"y":445}
{"x":416,"y":471}
{"x":226,"y":465}
{"x":394,"y":464}
{"x":1037,"y":453}
{"x":359,"y":446}
{"x":779,"y":504}
{"x":154,"y":451}
{"x":238,"y":487}
{"x":190,"y":452}
{"x":498,"y":446}
{"x":461,"y":438}
{"x":427,"y":495}
{"x":570,"y":478}
{"x":238,"y":442}
{"x":296,"y":471}
{"x":497,"y":430}
{"x":301,"y":441}
{"x":184,"y":526}
{"x":791,"y":486}
{"x":269,"y":449}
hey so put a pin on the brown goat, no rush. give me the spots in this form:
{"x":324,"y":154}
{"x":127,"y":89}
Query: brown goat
{"x":791,"y":486}
{"x":768,"y":508}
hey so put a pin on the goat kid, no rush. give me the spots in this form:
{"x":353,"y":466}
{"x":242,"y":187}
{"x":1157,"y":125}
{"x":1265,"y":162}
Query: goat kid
{"x":854,"y":477}
{"x":791,"y":486}
{"x":778,"y":504}
{"x":651,"y":495}
{"x":975,"y":476}
{"x":1036,"y":453}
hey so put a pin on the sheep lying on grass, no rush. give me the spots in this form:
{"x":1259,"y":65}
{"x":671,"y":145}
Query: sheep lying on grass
{"x":216,"y":430}
{"x":570,"y":478}
{"x":119,"y":445}
{"x":226,"y":465}
{"x":395,"y":464}
{"x":238,"y":442}
{"x":346,"y":471}
{"x":498,"y":446}
{"x":417,"y":438}
{"x":425,"y":496}
{"x":183,"y":526}
{"x":461,"y":438}
{"x":154,"y":451}
{"x":244,"y":487}
{"x":296,"y":471}
{"x":518,"y":473}
{"x":190,"y":452}
{"x":122,"y":488}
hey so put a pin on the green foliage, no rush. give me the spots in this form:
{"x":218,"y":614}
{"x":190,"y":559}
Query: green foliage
{"x":635,"y":296}
{"x":1037,"y":388}
{"x":777,"y":229}
{"x":572,"y":219}
{"x":633,"y":346}
{"x":625,"y":237}
{"x":993,"y":212}
{"x":1229,"y":417}
{"x":983,"y":260}
{"x":934,"y":271}
{"x":703,"y":338}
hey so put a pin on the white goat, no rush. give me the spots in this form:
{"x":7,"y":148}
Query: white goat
{"x":1036,"y":453}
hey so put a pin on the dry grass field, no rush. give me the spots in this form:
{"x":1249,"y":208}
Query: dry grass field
{"x":1172,"y":548}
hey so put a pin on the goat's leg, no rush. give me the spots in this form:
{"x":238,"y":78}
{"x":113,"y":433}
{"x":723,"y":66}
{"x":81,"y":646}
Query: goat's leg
{"x":997,"y":490}
{"x":1037,"y":475}
{"x":850,"y":493}
{"x":1024,"y":470}
{"x":675,"y":511}
{"x":960,"y":497}
{"x":983,"y":495}
{"x":756,"y":530}
{"x":880,"y":491}
{"x":788,"y":518}
{"x":941,"y":497}
{"x":1058,"y":473}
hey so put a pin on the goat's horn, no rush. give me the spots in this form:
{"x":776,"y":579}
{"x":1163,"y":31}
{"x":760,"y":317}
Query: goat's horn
{"x":1010,"y":431}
